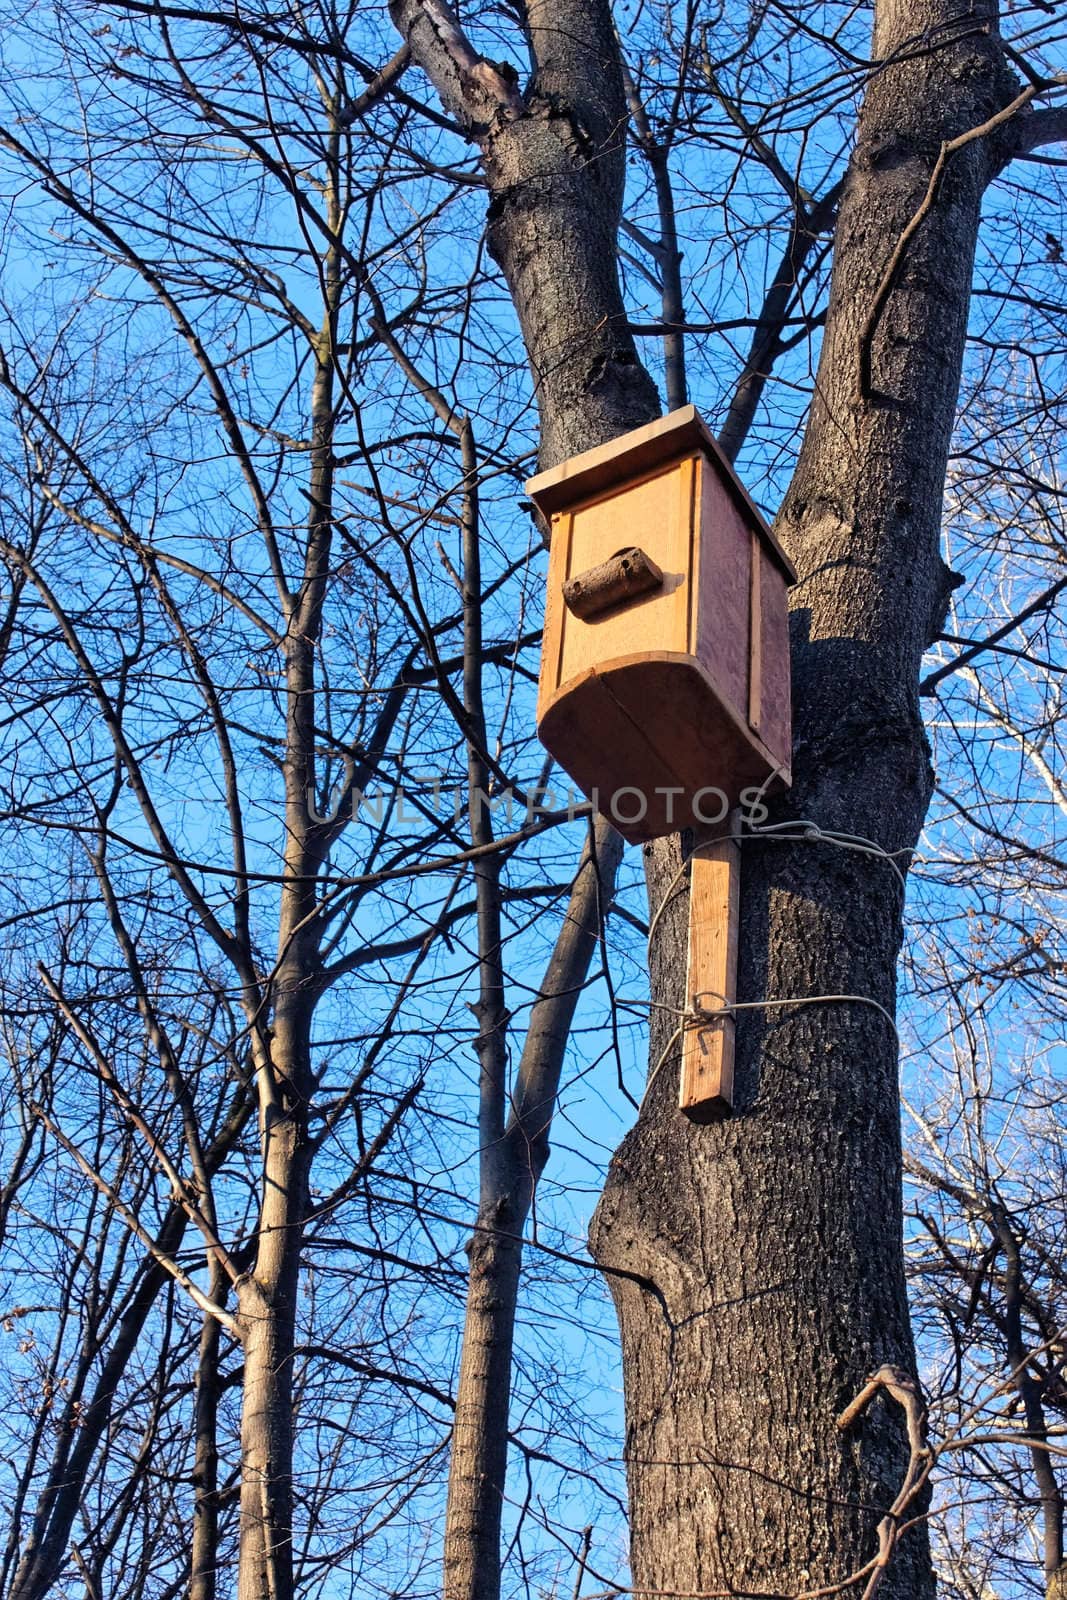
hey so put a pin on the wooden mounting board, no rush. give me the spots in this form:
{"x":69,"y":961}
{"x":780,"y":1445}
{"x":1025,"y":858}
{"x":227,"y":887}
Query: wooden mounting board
{"x":707,"y":1081}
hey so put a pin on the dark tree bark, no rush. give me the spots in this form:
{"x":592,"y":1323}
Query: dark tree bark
{"x":204,"y":1554}
{"x":775,"y":1238}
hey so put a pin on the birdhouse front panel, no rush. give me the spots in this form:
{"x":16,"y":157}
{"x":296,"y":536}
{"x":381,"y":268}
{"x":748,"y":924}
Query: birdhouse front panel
{"x":591,"y":535}
{"x":665,"y":664}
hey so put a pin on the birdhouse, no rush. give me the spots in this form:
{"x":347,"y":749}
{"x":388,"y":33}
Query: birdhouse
{"x":664,"y":688}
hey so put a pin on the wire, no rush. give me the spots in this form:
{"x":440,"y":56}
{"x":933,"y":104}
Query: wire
{"x":663,"y":1055}
{"x":817,"y":835}
{"x":799,"y":829}
{"x":727,"y":1008}
{"x":809,"y":831}
{"x":705,"y":1014}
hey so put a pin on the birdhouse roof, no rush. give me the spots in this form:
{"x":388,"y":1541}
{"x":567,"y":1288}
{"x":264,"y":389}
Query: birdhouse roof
{"x":634,"y":455}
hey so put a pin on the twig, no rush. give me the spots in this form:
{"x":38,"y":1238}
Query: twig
{"x":948,"y":149}
{"x":160,"y":1257}
{"x":583,"y":1557}
{"x":901,"y":1387}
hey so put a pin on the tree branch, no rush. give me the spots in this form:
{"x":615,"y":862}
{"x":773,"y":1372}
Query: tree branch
{"x":1043,"y":127}
{"x":901,"y":1387}
{"x":475,"y":91}
{"x":1043,"y":602}
{"x":949,"y":147}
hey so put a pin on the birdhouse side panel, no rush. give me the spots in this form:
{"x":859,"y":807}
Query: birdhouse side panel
{"x":775,"y":711}
{"x":723,"y":591}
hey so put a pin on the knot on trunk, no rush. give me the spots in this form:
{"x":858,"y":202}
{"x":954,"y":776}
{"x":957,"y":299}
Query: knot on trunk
{"x":948,"y":583}
{"x":619,"y":378}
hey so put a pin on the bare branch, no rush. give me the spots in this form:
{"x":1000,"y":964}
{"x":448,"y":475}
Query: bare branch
{"x":475,"y":91}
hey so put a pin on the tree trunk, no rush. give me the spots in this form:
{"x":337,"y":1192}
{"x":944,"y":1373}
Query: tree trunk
{"x":478,"y":1462}
{"x":556,"y":176}
{"x":267,"y":1297}
{"x":478,"y":1459}
{"x":1028,"y":1388}
{"x":267,"y":1311}
{"x":555,"y":164}
{"x":775,"y":1238}
{"x":204,"y":1556}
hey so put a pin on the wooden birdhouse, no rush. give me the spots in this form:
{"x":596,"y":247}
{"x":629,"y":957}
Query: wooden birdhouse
{"x":664,"y":687}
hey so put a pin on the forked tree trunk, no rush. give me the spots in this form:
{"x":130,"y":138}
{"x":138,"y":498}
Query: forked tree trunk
{"x":774,"y":1239}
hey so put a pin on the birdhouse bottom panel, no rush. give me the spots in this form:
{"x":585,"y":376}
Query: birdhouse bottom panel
{"x":654,"y":744}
